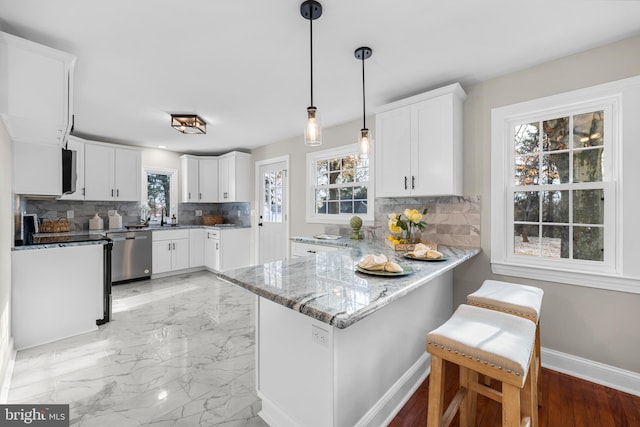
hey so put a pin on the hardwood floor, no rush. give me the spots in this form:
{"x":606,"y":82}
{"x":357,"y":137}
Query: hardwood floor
{"x":567,"y":402}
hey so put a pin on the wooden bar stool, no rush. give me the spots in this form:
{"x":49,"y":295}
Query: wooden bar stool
{"x":490,"y":343}
{"x":519,"y":300}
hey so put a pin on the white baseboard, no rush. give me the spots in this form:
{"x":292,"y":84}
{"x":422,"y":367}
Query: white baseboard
{"x":398,"y":395}
{"x":8,"y":372}
{"x":599,"y":373}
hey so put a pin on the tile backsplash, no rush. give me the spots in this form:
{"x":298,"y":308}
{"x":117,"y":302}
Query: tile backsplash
{"x":450,"y":220}
{"x":235,"y":213}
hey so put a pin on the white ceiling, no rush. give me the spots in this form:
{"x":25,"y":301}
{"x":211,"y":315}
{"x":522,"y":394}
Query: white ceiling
{"x":244,"y":65}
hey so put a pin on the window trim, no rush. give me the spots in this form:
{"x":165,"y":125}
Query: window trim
{"x":340,"y":151}
{"x":611,"y":277}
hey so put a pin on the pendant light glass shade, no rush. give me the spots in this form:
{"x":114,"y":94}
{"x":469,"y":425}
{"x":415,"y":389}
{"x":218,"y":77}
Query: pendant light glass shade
{"x":365,"y":137}
{"x":313,"y":131}
{"x":311,"y":10}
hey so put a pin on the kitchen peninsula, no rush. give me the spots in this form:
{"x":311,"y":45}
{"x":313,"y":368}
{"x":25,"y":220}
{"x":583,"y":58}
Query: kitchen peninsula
{"x":336,"y":347}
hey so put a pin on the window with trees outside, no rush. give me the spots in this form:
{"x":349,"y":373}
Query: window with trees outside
{"x":339,"y":185}
{"x":161,"y":197}
{"x":555,"y":203}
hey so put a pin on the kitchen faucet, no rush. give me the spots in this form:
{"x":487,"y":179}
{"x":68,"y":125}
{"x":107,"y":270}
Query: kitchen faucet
{"x":162,"y":212}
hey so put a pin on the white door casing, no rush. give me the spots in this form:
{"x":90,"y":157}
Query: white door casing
{"x":272,"y":209}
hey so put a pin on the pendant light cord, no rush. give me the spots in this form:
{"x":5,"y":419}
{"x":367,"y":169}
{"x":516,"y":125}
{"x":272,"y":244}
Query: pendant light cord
{"x":364,"y":120}
{"x":311,"y":55}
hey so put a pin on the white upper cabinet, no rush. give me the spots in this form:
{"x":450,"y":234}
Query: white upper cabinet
{"x":112,"y":173}
{"x":234,"y":175}
{"x":419,"y":145}
{"x":216,"y":179}
{"x":199,"y":179}
{"x":37,"y":81}
{"x":208,"y":180}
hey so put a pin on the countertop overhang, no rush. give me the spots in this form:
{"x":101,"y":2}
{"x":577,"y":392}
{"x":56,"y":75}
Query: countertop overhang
{"x":326,"y":286}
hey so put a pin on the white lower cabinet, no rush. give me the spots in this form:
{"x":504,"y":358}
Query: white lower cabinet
{"x":212,"y":249}
{"x":170,"y":250}
{"x":227,"y":249}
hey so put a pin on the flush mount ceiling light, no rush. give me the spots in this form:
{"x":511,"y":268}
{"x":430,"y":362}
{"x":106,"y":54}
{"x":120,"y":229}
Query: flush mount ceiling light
{"x":365,"y":137}
{"x":312,"y":10}
{"x":188,"y":123}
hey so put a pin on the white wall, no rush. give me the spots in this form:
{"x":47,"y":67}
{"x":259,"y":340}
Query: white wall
{"x":594,"y":324}
{"x":6,"y":242}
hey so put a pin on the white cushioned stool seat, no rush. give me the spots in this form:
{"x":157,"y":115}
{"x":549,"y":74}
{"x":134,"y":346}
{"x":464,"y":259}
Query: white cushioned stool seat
{"x":521,"y":300}
{"x":496,"y":339}
{"x":485,"y":342}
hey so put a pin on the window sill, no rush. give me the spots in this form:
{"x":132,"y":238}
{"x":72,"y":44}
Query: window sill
{"x":338,"y":219}
{"x":590,"y":280}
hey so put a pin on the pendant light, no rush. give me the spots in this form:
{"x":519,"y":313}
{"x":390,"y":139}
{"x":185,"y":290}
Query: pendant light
{"x":312,"y":10}
{"x":365,"y":137}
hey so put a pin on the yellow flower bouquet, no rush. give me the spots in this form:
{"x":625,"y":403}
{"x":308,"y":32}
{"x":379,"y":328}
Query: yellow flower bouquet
{"x":413,"y":219}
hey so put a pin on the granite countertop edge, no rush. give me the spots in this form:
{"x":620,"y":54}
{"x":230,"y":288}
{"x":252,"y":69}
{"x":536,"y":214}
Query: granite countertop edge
{"x":249,"y":278}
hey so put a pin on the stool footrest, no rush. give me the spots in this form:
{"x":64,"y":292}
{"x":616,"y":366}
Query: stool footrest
{"x":450,"y":413}
{"x":486,"y":391}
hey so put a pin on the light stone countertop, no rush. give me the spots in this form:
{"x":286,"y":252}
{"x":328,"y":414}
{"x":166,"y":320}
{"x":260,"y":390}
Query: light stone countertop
{"x":326,"y":287}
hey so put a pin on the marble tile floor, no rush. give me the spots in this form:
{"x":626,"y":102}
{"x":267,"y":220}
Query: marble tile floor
{"x":179,"y":351}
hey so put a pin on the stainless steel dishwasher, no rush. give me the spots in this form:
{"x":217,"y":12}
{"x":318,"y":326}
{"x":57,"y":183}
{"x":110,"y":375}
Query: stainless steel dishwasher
{"x":131,"y":255}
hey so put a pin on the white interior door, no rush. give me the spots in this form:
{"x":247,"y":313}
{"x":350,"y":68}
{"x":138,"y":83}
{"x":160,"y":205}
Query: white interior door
{"x":273,"y":202}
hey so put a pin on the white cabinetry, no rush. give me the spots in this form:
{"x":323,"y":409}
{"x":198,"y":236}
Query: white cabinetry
{"x":56,"y":293}
{"x":304,"y":249}
{"x":234,"y":177}
{"x":37,"y":169}
{"x":36,"y":104}
{"x":216,"y":179}
{"x":170,"y":250}
{"x":112,"y":173}
{"x":212,"y":249}
{"x":37,"y":82}
{"x":196,"y":247}
{"x":77,"y":145}
{"x":199,"y":179}
{"x":419,"y":145}
{"x":227,"y":249}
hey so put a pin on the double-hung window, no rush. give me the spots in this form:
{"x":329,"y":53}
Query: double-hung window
{"x":557,"y":210}
{"x":339,"y":185}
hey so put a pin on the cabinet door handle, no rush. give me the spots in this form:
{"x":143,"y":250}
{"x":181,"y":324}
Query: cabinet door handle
{"x":84,"y":191}
{"x":169,"y":245}
{"x":217,"y":247}
{"x":413,"y":182}
{"x":189,"y":196}
{"x":174,"y":247}
{"x":312,"y":252}
{"x":112,"y":192}
{"x":405,"y":182}
{"x":200,"y":196}
{"x":118,"y":192}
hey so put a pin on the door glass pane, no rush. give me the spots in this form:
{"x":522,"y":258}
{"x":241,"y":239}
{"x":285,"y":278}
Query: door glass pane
{"x":555,"y":206}
{"x":527,"y":138}
{"x":587,"y":165}
{"x":526,"y":240}
{"x":588,"y":129}
{"x":526,"y":206}
{"x":272,"y":203}
{"x":588,"y":243}
{"x":555,"y":241}
{"x":588,"y":206}
{"x":556,"y":134}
